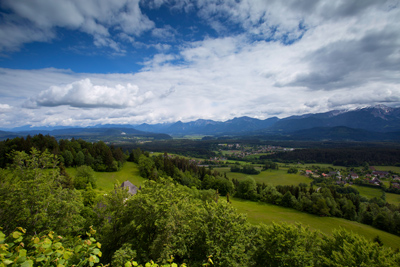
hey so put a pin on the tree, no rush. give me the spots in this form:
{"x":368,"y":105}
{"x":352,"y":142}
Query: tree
{"x":285,"y":245}
{"x":79,"y":159}
{"x":288,"y":200}
{"x":166,"y":219}
{"x":270,"y":195}
{"x":31,"y":196}
{"x":146,"y":166}
{"x":68,"y":158}
{"x":84,"y":176}
{"x":292,"y":170}
{"x":347,"y":249}
{"x":247,"y":189}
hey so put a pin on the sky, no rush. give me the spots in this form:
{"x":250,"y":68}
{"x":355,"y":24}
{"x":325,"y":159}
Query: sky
{"x":83,"y":63}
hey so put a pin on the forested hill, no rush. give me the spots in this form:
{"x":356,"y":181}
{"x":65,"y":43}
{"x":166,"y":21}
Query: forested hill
{"x":72,"y":152}
{"x":341,"y":156}
{"x":115,"y":131}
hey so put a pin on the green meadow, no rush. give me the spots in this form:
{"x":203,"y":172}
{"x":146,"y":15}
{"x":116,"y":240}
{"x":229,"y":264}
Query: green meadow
{"x":268,"y":213}
{"x":370,"y":192}
{"x":106,"y":180}
{"x":273,"y":177}
{"x":388,"y":168}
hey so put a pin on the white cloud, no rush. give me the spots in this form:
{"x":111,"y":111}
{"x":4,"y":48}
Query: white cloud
{"x":84,"y":94}
{"x":36,"y":20}
{"x":347,"y":56}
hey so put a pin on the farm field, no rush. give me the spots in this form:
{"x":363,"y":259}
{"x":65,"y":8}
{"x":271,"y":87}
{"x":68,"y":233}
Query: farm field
{"x":106,"y":180}
{"x":309,"y":166}
{"x":268,"y":213}
{"x":376,"y":192}
{"x":273,"y":177}
{"x":388,"y":168}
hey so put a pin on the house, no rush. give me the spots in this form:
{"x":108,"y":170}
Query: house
{"x":308,"y":172}
{"x":396,"y":185}
{"x":380,"y":174}
{"x":334,"y":174}
{"x":132,"y":189}
{"x":353,"y":175}
{"x":375,"y":181}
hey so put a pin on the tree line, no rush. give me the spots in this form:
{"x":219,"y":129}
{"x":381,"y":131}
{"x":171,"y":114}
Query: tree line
{"x":71,"y":153}
{"x":349,"y":157}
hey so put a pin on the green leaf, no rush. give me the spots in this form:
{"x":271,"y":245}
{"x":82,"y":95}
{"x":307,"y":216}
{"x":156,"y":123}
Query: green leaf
{"x":48,"y":252}
{"x":57,"y":245}
{"x":21,"y":229}
{"x":40,"y":258}
{"x":28,"y":263}
{"x":128,"y":264}
{"x":22,"y":253}
{"x":2,"y":236}
{"x":21,"y":259}
{"x":96,"y":251}
{"x":16,"y":234}
{"x":7,"y":262}
{"x":78,"y":248}
{"x":67,"y":255}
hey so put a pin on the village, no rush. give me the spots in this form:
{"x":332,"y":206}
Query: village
{"x":238,"y":151}
{"x":369,"y":177}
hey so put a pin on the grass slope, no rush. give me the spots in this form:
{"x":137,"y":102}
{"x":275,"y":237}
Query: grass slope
{"x":370,"y":192}
{"x":268,"y":213}
{"x":106,"y":180}
{"x":273,"y":177}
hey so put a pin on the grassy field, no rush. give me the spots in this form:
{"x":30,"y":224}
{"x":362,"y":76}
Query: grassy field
{"x":268,"y":213}
{"x":376,"y":192}
{"x":309,"y":166}
{"x":106,"y":180}
{"x":388,"y":168}
{"x":273,"y":177}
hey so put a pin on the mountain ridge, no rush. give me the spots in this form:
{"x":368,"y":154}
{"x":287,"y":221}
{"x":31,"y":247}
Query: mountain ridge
{"x":368,"y":121}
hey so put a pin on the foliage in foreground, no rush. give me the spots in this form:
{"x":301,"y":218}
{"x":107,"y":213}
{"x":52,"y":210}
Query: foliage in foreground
{"x":162,"y":219}
{"x":17,"y":249}
{"x":166,"y":219}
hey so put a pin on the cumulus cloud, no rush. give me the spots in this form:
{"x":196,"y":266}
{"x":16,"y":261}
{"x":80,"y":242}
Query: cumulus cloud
{"x":37,"y":20}
{"x":4,"y":108}
{"x":284,"y":58}
{"x":84,"y":94}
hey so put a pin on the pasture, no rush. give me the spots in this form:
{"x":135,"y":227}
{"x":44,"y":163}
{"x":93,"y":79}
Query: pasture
{"x":395,"y":169}
{"x":370,"y":192}
{"x":268,"y":213}
{"x":273,"y":177}
{"x":106,"y":180}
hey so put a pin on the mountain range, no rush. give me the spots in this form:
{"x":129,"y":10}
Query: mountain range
{"x":376,"y":123}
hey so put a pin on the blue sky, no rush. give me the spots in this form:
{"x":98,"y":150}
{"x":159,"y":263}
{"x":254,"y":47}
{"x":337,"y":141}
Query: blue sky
{"x":81,"y":63}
